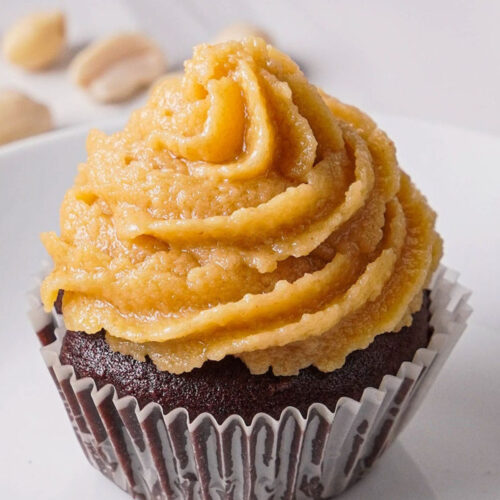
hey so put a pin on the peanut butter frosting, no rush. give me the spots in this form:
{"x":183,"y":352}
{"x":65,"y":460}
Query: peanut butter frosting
{"x":241,"y":212}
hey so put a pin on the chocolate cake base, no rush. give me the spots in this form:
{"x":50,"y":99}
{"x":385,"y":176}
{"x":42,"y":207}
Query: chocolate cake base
{"x":227,"y":387}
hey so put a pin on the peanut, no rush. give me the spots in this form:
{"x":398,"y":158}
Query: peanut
{"x":116,"y":68}
{"x":238,"y":31}
{"x":21,"y":116}
{"x":35,"y":41}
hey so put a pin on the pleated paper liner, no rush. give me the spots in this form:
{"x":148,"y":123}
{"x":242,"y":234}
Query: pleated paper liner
{"x":153,"y":455}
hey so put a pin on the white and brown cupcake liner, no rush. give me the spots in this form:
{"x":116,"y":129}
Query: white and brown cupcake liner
{"x":153,"y":455}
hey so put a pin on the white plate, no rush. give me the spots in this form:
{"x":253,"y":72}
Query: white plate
{"x":451,"y":450}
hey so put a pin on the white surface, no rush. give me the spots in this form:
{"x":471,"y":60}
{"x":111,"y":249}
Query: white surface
{"x":451,"y":449}
{"x":430,"y":59}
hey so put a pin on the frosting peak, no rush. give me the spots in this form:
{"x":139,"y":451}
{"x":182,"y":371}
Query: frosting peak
{"x":244,"y":212}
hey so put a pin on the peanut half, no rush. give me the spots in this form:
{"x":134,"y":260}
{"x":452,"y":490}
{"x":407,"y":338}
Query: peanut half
{"x":238,"y":31}
{"x":35,"y":41}
{"x":116,"y":68}
{"x":21,"y":116}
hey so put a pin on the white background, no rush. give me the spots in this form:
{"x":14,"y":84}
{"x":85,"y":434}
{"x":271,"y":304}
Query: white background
{"x":433,"y":60}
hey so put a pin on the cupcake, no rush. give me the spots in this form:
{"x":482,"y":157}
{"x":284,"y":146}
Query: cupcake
{"x":242,"y":302}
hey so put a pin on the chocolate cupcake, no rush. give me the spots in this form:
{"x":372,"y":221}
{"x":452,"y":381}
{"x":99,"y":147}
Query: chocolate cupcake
{"x":238,"y":271}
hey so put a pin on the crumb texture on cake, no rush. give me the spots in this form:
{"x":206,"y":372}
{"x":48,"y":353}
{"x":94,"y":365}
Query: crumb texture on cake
{"x":242,"y":212}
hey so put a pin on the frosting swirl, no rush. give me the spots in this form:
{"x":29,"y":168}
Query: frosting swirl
{"x":244,"y":212}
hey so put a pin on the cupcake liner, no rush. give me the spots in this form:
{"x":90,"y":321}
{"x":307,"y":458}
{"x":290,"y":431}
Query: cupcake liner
{"x":153,"y":455}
